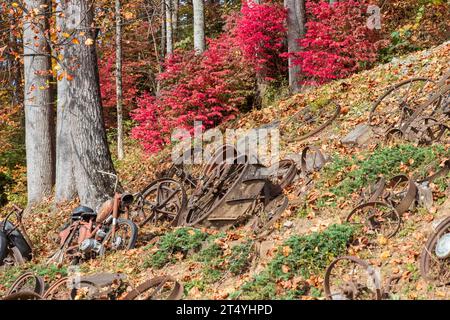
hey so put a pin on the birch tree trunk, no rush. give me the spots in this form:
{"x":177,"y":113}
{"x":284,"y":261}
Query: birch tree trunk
{"x":169,"y":38}
{"x":296,"y":21}
{"x":119,"y":98}
{"x":199,"y":26}
{"x":65,"y":181}
{"x":38,"y":101}
{"x":87,"y":131}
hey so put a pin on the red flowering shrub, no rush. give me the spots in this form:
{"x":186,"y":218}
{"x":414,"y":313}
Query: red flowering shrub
{"x":338,"y":42}
{"x":209,"y":88}
{"x":261,"y":33}
{"x":107,"y":70}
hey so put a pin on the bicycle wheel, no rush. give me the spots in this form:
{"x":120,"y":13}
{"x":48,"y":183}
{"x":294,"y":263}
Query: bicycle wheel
{"x":124,"y":238}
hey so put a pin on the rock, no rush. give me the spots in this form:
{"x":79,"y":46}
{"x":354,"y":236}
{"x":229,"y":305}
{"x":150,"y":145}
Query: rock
{"x":425,"y":196}
{"x":358,"y":136}
{"x":297,"y":157}
{"x":288,"y":224}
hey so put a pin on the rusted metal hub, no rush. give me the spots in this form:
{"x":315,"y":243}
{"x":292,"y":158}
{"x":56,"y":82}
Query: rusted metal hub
{"x":443,"y":247}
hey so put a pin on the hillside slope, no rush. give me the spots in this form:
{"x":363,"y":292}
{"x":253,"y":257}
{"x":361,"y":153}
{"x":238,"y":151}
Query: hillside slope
{"x":290,"y":262}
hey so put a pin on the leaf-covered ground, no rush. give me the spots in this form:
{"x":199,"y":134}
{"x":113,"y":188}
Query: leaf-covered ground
{"x":289,"y":263}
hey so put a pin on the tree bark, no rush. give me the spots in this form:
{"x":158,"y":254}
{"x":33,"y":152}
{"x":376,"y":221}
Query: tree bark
{"x":38,"y":101}
{"x":119,"y":98}
{"x":163,"y":29}
{"x":169,"y":30}
{"x":174,"y":20}
{"x":199,"y":26}
{"x":87,"y":131}
{"x":65,"y":180}
{"x":296,"y":21}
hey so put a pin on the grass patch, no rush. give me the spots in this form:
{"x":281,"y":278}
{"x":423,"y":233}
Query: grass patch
{"x":345,"y":175}
{"x":218,"y":259}
{"x":299,"y":256}
{"x":182,"y":241}
{"x":48,"y":273}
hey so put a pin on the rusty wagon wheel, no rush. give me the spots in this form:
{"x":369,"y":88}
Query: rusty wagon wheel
{"x":435,"y":257}
{"x":59,"y":290}
{"x":158,"y":288}
{"x":283,"y":173}
{"x":350,"y":278}
{"x":22,"y":295}
{"x":225,"y":154}
{"x":187,"y":168}
{"x":400,"y":192}
{"x":313,"y":121}
{"x":163,"y":199}
{"x":212,"y":191}
{"x":28,"y":281}
{"x":399,"y":102}
{"x":376,"y":218}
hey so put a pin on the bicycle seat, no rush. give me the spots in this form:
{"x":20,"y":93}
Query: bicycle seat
{"x":83,"y":212}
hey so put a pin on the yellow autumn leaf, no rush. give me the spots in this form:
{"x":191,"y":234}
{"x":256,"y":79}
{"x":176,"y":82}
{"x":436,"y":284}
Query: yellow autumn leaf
{"x":385,"y":255}
{"x":128,"y":15}
{"x":65,"y":35}
{"x":75,"y":41}
{"x":382,"y":240}
{"x":286,"y":251}
{"x":15,"y":4}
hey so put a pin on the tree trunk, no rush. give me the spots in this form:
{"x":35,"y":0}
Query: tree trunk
{"x":169,"y":38}
{"x":119,"y":98}
{"x":163,"y":29}
{"x":174,"y":19}
{"x":199,"y":26}
{"x":65,"y":180}
{"x":38,"y":102}
{"x":296,"y":21}
{"x":87,"y":131}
